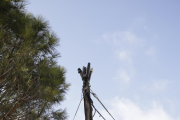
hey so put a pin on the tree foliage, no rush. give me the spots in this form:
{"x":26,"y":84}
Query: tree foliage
{"x":31,"y":82}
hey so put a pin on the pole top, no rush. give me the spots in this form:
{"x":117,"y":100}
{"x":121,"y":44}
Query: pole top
{"x":86,"y":72}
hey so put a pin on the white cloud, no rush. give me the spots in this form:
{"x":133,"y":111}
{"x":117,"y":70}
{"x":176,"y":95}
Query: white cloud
{"x":151,"y":53}
{"x":125,"y":44}
{"x":120,"y":38}
{"x":125,"y":109}
{"x":157,"y":86}
{"x":160,"y":85}
{"x":129,"y":37}
{"x":123,"y":76}
{"x":125,"y":56}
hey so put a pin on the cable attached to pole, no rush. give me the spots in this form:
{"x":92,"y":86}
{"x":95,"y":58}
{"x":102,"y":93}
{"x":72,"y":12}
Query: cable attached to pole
{"x":78,"y":106}
{"x":98,"y":112}
{"x":94,"y":113}
{"x":86,"y":94}
{"x":101,"y":103}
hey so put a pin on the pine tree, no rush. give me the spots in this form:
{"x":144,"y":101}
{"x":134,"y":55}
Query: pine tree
{"x":31,"y":81}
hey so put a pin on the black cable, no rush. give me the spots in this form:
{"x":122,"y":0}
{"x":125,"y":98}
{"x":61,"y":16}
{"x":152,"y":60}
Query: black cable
{"x":78,"y":107}
{"x":101,"y":103}
{"x":98,"y":112}
{"x":86,"y":94}
{"x":94,"y":113}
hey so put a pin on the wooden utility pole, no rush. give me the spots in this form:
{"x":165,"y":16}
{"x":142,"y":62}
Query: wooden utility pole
{"x":85,"y":74}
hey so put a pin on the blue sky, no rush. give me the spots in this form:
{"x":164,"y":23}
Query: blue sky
{"x":133,"y":47}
